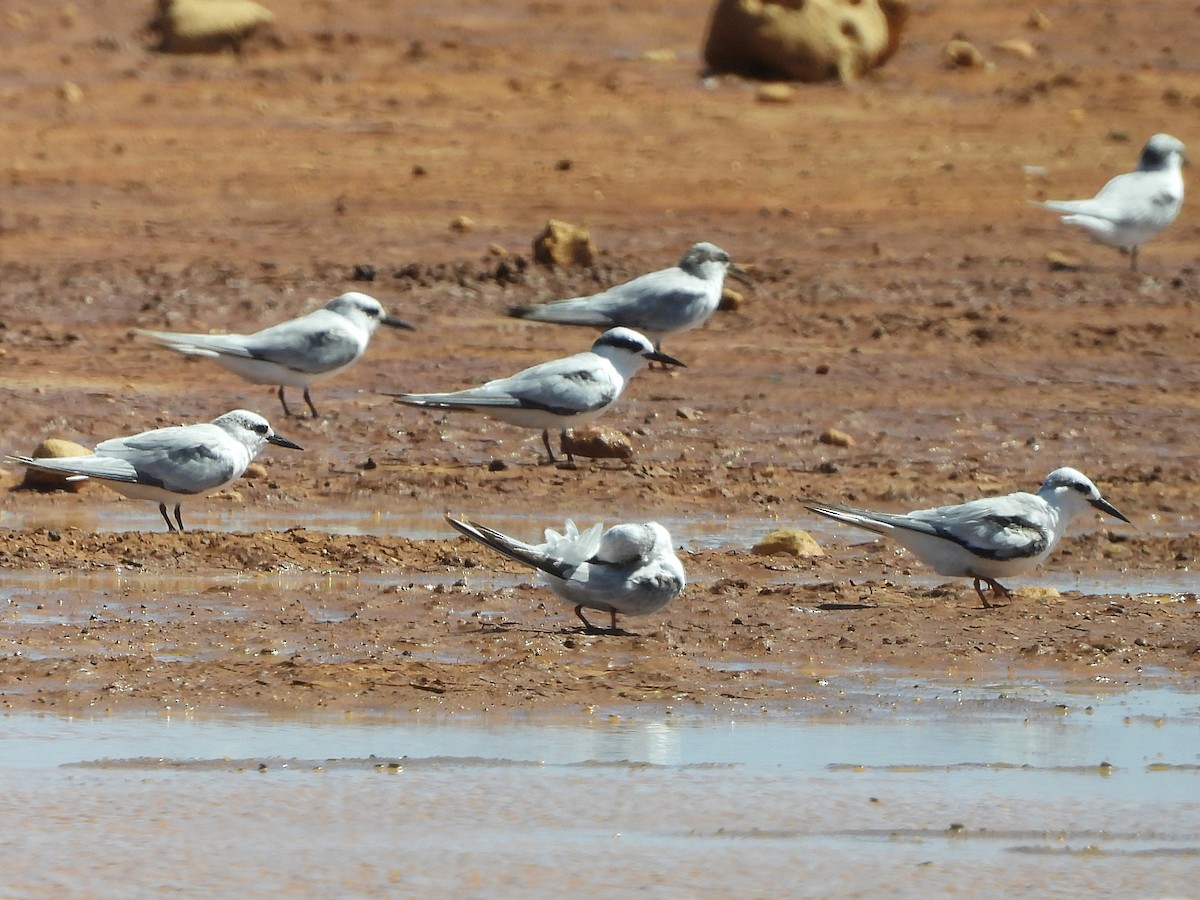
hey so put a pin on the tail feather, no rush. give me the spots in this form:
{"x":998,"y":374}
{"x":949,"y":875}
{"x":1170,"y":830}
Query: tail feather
{"x":518,"y":551}
{"x":573,"y":546}
{"x":563,"y":312}
{"x":847,"y":516}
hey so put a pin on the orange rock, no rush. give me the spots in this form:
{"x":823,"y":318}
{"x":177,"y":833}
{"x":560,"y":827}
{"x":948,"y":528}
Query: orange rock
{"x":804,"y":40}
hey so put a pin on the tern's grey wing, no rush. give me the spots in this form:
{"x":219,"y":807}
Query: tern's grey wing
{"x":1134,"y":198}
{"x":315,"y":343}
{"x":312,"y":344}
{"x":568,"y":386}
{"x":660,"y":301}
{"x":184,"y":460}
{"x":515,"y":550}
{"x":1010,"y":527}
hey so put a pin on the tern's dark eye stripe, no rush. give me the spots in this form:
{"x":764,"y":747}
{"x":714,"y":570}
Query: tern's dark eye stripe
{"x":624,"y":343}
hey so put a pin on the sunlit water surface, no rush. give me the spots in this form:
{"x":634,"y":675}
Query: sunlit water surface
{"x":879,"y":786}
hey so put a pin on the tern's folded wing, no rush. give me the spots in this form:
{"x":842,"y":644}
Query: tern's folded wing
{"x":316,"y":343}
{"x":562,"y":387}
{"x":1010,"y":527}
{"x":655,"y":302}
{"x":184,"y":460}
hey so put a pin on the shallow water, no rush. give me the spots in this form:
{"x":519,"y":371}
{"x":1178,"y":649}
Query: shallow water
{"x":873,"y":785}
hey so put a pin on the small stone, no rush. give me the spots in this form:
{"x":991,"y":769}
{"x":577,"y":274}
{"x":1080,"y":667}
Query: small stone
{"x":660,"y":56}
{"x":462,"y":224}
{"x":731,"y":300}
{"x":689,"y":413}
{"x":1038,"y":20}
{"x":788,"y":542}
{"x":1038,"y":594}
{"x":597,"y":442}
{"x":564,"y":245}
{"x":54,"y":448}
{"x":1061,"y":262}
{"x":1016,"y":47}
{"x":776,"y":92}
{"x":497,"y":465}
{"x":71,"y":92}
{"x":962,"y":55}
{"x":835,"y":437}
{"x":207,"y":26}
{"x":255,"y":471}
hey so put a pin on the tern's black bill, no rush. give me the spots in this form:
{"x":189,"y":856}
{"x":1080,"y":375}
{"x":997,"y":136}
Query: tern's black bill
{"x":1107,"y":507}
{"x":739,"y":273}
{"x":397,"y":323}
{"x":283,"y":442}
{"x":659,"y":356}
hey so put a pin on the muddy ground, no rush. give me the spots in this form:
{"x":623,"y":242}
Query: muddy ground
{"x":903,"y":291}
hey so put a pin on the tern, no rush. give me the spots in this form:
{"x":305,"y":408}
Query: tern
{"x":294,"y":353}
{"x":168,"y":465}
{"x":630,"y":569}
{"x":556,"y":394}
{"x":985,"y":539}
{"x":658,"y":304}
{"x":1133,"y":207}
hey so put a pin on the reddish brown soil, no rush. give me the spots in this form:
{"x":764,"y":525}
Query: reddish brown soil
{"x":902,"y":292}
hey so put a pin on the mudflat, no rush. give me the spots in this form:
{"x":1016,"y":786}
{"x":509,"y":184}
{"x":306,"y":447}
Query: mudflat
{"x":903,"y":292}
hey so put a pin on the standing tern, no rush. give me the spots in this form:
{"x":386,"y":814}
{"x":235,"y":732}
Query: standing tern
{"x":294,"y":353}
{"x":658,"y":304}
{"x":1133,"y":207}
{"x":629,"y":569}
{"x":989,"y":538}
{"x":169,"y":464}
{"x":556,"y":394}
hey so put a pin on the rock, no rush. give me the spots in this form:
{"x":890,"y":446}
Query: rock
{"x":731,"y":300}
{"x":689,"y":413}
{"x":54,"y":448}
{"x":597,"y":442}
{"x":804,"y":40}
{"x":255,"y":472}
{"x":788,"y":542}
{"x":777,"y":92}
{"x":462,"y":224}
{"x":1038,"y":20}
{"x":1037,"y":594}
{"x":564,"y":245}
{"x":1016,"y":47}
{"x":1062,"y":262}
{"x":835,"y":437}
{"x":660,"y":56}
{"x":207,"y":26}
{"x":71,"y":93}
{"x":962,"y":55}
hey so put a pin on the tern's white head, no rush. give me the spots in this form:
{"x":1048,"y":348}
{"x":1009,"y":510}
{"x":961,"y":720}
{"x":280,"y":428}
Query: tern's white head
{"x":705,"y":260}
{"x":365,"y":311}
{"x":1071,"y":492}
{"x":629,"y":350}
{"x":1160,"y":153}
{"x":251,"y":430}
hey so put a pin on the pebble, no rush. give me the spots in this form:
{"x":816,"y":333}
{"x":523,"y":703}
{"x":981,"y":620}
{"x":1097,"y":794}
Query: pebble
{"x":54,"y":448}
{"x":788,"y":542}
{"x":598,"y":442}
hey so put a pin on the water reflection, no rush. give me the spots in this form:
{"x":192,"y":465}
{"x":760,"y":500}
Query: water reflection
{"x":878,"y":786}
